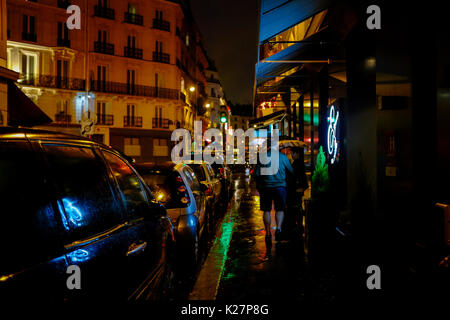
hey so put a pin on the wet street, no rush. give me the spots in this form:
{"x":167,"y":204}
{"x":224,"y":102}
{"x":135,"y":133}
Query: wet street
{"x":240,"y":266}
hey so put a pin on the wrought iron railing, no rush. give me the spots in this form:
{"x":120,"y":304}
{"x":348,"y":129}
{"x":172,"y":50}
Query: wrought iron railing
{"x":104,"y":12}
{"x":105,"y":119}
{"x":49,"y":81}
{"x":161,"y":57}
{"x":161,"y":24}
{"x":134,"y":18}
{"x":132,"y":122}
{"x":104,"y":47}
{"x":160,"y":123}
{"x":63,"y":4}
{"x":134,"y":90}
{"x":131,"y":52}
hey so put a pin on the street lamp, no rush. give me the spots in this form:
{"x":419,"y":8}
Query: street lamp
{"x":192,"y":89}
{"x":208,"y":105}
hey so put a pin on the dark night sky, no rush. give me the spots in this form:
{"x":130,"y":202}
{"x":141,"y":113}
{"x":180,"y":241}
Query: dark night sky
{"x":229,"y":29}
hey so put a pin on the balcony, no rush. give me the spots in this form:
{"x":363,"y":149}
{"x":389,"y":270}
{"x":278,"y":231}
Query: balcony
{"x":64,"y":4}
{"x":161,"y":57}
{"x":133,"y":90}
{"x":161,"y":25}
{"x":55,"y":82}
{"x":132,"y":122}
{"x":63,"y":118}
{"x":134,"y":18}
{"x":27,"y":36}
{"x":104,"y":47}
{"x":160,"y":123}
{"x":105,"y":119}
{"x":104,"y":12}
{"x":63,"y":43}
{"x":131,"y":52}
{"x":213,"y":80}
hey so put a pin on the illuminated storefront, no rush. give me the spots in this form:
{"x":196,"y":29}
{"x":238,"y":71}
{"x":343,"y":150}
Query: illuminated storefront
{"x":375,"y":101}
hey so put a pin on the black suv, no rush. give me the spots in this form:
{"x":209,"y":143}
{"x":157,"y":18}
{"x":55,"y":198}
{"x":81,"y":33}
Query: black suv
{"x":67,"y":201}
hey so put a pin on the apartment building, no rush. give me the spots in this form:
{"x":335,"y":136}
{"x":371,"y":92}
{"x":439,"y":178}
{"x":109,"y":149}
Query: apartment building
{"x":216,"y":96}
{"x":137,"y":69}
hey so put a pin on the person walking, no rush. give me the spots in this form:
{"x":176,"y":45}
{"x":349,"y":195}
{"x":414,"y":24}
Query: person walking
{"x":272,"y":191}
{"x":297,"y":184}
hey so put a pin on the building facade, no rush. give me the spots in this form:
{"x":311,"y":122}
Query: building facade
{"x":135,"y":70}
{"x":216,"y":96}
{"x":240,"y":122}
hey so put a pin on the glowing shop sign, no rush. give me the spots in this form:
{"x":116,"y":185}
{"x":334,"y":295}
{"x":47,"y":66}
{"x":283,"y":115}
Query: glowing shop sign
{"x":333,"y":119}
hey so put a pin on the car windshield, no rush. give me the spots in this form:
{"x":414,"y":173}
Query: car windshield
{"x":164,"y":188}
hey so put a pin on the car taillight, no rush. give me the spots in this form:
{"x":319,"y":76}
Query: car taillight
{"x":185,"y":200}
{"x":179,"y":179}
{"x":182,"y":189}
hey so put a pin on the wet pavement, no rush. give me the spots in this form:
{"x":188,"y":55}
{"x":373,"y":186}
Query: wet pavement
{"x":240,"y":266}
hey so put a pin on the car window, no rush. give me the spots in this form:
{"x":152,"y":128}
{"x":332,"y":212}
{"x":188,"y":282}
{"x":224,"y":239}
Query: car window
{"x":87,"y":200}
{"x":191,"y":178}
{"x":199,"y":172}
{"x":210,"y":170}
{"x":164,"y":187}
{"x":132,"y":191}
{"x":29,"y":232}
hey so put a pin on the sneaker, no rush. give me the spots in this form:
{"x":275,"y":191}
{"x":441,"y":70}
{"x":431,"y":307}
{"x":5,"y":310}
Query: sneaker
{"x":278,"y":235}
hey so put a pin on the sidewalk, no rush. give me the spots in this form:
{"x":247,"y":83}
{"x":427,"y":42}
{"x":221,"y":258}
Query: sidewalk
{"x":256,"y":272}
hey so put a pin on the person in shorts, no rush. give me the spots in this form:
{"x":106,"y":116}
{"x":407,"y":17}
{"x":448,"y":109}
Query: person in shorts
{"x":272,"y":191}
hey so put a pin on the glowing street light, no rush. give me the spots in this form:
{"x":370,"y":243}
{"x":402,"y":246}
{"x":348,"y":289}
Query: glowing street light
{"x":192,"y":89}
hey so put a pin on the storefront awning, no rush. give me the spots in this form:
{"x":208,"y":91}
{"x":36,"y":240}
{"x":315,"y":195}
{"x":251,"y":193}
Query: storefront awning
{"x":279,"y":15}
{"x":22,"y":111}
{"x":267,"y":120}
{"x":314,"y":49}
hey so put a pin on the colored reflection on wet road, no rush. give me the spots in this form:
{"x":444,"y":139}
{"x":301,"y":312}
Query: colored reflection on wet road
{"x":240,"y":266}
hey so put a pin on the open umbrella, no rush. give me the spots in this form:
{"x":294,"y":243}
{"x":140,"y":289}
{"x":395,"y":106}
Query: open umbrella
{"x":291,"y":144}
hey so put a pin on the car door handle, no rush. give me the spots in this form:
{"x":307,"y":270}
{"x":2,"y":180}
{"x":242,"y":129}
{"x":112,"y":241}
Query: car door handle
{"x":136,"y":248}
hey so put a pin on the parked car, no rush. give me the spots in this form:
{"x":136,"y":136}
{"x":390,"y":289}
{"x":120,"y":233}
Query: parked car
{"x":205,"y":174}
{"x":223,"y":172}
{"x":177,"y":187}
{"x":67,"y":202}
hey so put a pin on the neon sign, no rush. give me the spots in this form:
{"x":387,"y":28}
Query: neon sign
{"x":333,"y":119}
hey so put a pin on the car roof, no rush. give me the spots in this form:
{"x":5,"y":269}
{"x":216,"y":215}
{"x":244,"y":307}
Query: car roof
{"x":194,"y":162}
{"x":155,"y":166}
{"x":22,"y":133}
{"x":11,"y":133}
